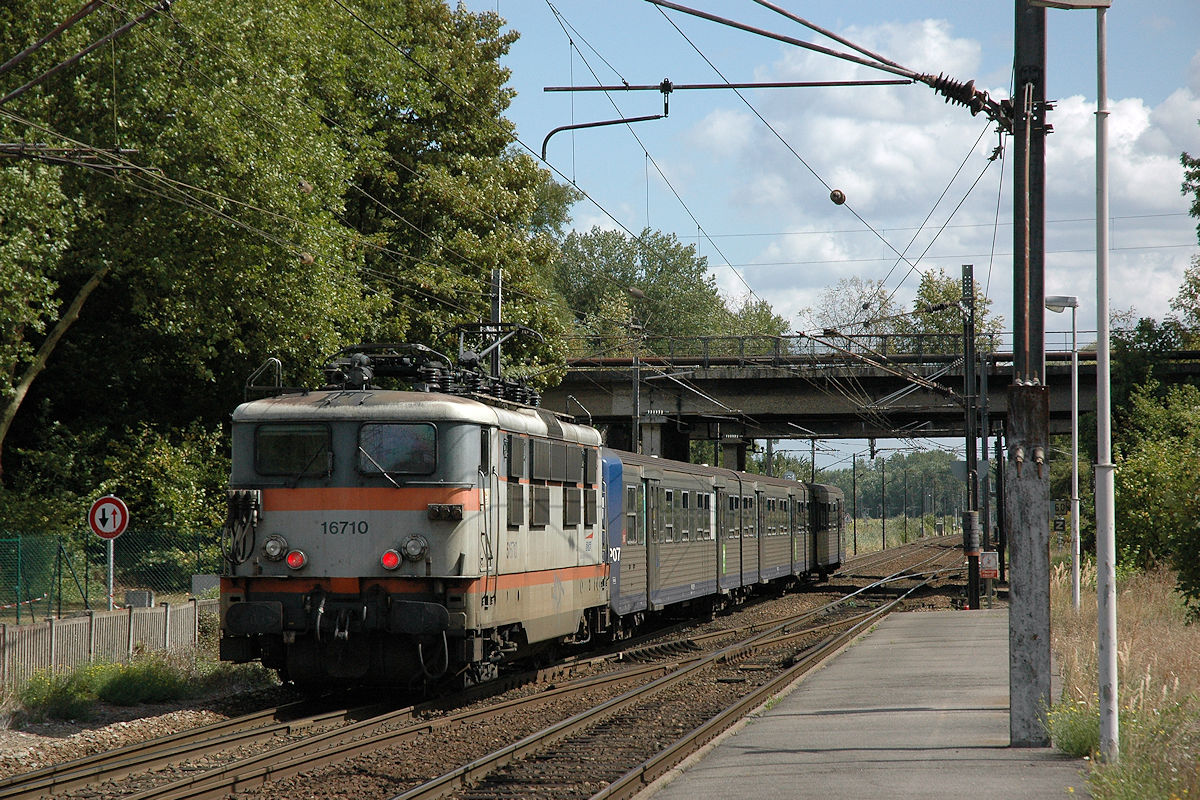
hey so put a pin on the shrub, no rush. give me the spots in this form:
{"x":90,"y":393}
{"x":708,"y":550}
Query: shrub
{"x":149,"y":679}
{"x":60,"y":694}
{"x":1075,"y":728}
{"x":224,"y":678}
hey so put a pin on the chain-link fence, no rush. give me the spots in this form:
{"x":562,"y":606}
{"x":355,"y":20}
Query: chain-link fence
{"x":44,"y":577}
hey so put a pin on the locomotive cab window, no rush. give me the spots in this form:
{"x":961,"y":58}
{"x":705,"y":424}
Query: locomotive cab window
{"x":298,"y":450}
{"x":397,"y":448}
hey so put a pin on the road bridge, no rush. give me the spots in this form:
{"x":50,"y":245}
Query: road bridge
{"x":801,"y":387}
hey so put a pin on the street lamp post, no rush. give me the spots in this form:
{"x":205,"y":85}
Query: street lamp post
{"x":1058,"y":304}
{"x":1106,"y":529}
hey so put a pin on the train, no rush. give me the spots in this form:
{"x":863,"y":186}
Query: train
{"x":437,"y":532}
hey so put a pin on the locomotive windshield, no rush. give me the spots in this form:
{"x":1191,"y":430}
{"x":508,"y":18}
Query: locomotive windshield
{"x":397,"y":448}
{"x":292,"y":449}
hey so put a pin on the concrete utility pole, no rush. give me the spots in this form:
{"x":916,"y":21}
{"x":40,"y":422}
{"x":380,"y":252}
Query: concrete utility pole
{"x":971,"y":539}
{"x":1027,"y":485}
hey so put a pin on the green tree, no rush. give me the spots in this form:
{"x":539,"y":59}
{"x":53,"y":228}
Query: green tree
{"x":854,"y":306}
{"x":936,"y":324}
{"x":753,"y":316}
{"x":288,"y":186}
{"x":1136,"y":353}
{"x":1187,"y":301}
{"x":676,"y":296}
{"x":1191,"y":183}
{"x":1158,"y":484}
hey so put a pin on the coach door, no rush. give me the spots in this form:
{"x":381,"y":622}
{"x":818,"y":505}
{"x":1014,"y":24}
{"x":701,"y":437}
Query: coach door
{"x":627,"y":548}
{"x":729,"y":540}
{"x":761,"y":560}
{"x":653,"y":491}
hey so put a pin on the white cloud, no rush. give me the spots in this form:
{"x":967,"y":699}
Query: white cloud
{"x":894,"y":150}
{"x":722,"y":131}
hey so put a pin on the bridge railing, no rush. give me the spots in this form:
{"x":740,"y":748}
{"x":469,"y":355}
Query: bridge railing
{"x":720,"y":350}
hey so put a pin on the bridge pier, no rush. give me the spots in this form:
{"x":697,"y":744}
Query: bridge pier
{"x":733,"y":454}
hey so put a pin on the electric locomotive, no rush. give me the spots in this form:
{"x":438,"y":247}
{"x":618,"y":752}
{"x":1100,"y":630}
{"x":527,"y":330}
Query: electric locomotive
{"x":383,"y":536}
{"x":433,"y":533}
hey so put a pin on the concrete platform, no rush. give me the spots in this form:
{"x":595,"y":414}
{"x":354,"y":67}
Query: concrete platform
{"x":917,"y":708}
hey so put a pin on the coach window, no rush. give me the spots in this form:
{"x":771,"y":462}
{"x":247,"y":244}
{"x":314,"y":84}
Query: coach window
{"x":397,"y":448}
{"x":685,"y":519}
{"x":669,"y":516}
{"x":291,"y":449}
{"x":542,"y":469}
{"x":516,"y":456}
{"x":631,"y":515}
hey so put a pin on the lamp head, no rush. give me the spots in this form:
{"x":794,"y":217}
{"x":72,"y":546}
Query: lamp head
{"x":1061,"y":302}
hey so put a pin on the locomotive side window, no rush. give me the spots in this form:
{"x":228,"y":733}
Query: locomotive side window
{"x":540,"y":516}
{"x":516,"y":456}
{"x":293,"y":449}
{"x":516,"y":504}
{"x":572,"y":506}
{"x":591,"y":507}
{"x":397,"y":448}
{"x":541,"y":460}
{"x":590,"y":457}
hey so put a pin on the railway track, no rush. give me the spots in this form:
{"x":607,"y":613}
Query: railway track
{"x":264,"y":755}
{"x":882,"y":562}
{"x":608,"y":751}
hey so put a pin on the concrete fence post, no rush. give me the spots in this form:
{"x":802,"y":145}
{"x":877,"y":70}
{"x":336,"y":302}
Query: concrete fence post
{"x":128,"y":633}
{"x":195,"y":621}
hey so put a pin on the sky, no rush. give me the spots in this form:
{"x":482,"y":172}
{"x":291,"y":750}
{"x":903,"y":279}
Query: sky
{"x":714,"y":172}
{"x":748,"y":180}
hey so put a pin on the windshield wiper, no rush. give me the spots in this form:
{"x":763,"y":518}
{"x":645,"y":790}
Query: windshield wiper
{"x":382,"y":471}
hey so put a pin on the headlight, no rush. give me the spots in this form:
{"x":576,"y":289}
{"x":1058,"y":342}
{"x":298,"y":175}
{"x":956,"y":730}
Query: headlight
{"x":275,"y":547}
{"x":415,"y":547}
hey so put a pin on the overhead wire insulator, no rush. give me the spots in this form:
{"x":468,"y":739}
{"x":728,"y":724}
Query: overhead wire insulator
{"x":957,"y":91}
{"x":965,"y":94}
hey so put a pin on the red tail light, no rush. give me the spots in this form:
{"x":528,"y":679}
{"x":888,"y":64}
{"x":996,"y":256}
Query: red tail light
{"x":390,"y":559}
{"x":296,"y":559}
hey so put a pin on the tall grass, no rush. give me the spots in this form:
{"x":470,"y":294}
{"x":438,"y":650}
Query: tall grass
{"x":1158,"y":664}
{"x":899,"y":531}
{"x":149,"y":678}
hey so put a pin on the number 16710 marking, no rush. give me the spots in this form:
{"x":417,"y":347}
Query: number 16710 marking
{"x":344,"y":526}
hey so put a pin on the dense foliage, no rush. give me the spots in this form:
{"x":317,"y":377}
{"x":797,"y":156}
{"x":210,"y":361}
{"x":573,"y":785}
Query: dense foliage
{"x":288,"y":184}
{"x":653,"y":285}
{"x":236,"y":181}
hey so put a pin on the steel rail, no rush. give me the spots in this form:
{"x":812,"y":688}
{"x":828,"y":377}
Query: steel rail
{"x":118,"y":763}
{"x":467,"y":774}
{"x":337,"y":745}
{"x":650,"y":770}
